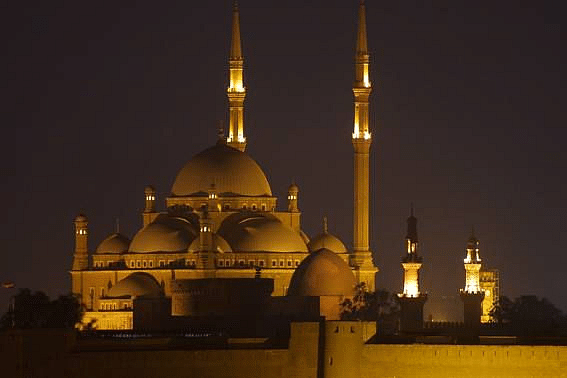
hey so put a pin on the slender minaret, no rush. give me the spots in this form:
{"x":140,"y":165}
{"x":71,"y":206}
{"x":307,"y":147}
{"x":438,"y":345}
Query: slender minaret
{"x":236,"y":91}
{"x":361,"y":258}
{"x":411,"y":300}
{"x":81,"y":256}
{"x":472,"y":295}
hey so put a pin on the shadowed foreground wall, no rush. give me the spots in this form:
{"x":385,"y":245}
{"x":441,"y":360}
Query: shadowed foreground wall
{"x":311,"y":346}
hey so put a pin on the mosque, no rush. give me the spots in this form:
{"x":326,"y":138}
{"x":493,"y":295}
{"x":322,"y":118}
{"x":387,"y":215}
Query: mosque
{"x":223,"y":284}
{"x":223,"y":224}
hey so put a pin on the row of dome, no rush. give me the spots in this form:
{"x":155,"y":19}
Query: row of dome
{"x":242,"y":232}
{"x":322,"y":273}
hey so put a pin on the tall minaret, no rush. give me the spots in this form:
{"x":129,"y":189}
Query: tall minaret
{"x":361,"y":258}
{"x":472,"y":295}
{"x":236,"y":91}
{"x":411,"y":300}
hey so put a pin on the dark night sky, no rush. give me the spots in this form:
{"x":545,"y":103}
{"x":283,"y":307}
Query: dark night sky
{"x":467,"y":112}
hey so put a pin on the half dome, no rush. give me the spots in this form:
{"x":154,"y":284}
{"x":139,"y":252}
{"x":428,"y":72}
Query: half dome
{"x":136,"y":285}
{"x":114,"y":244}
{"x":164,"y":234}
{"x":254,"y":232}
{"x":233,"y":173}
{"x":328,"y":241}
{"x":322,"y":273}
{"x":220,"y":244}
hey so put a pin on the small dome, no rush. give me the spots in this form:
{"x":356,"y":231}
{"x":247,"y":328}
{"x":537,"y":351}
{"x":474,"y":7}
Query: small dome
{"x":233,"y":172}
{"x":164,"y":234}
{"x":293,"y":188}
{"x":220,"y":243}
{"x":254,"y":232}
{"x":81,"y":218}
{"x":328,"y":241}
{"x":322,"y":273}
{"x":149,"y":189}
{"x":136,"y":285}
{"x":115,"y":243}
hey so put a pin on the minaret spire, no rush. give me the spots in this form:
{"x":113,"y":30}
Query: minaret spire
{"x":236,"y":91}
{"x":411,"y":299}
{"x":361,"y":258}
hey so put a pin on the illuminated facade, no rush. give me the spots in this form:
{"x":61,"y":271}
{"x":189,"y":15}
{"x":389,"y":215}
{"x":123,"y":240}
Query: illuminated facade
{"x":490,"y":285}
{"x":221,"y":218}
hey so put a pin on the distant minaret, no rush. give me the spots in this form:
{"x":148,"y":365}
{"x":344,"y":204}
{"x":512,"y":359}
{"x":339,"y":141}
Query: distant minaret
{"x":236,"y":91}
{"x":81,"y":256}
{"x":361,"y":259}
{"x":411,"y":261}
{"x":472,"y":265}
{"x":411,"y":300}
{"x":472,"y":295}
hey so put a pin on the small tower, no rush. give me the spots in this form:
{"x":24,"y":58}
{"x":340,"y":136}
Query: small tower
{"x":472,"y":295}
{"x":236,"y":91}
{"x":213,"y":199}
{"x":81,"y":255}
{"x":292,"y":198}
{"x":206,"y":258}
{"x":361,"y":257}
{"x":149,"y":213}
{"x":411,"y":300}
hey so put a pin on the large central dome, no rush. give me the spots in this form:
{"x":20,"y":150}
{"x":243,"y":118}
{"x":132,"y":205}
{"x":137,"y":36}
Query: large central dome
{"x":233,"y":173}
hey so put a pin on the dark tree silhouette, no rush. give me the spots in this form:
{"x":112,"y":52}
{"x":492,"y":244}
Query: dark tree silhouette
{"x":528,"y":315}
{"x":36,"y":310}
{"x":379,"y":305}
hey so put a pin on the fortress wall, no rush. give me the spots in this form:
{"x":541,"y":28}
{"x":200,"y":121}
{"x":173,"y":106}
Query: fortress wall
{"x":190,"y":363}
{"x":463,"y":361}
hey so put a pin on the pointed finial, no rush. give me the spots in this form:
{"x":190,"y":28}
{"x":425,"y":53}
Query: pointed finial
{"x":235,"y":46}
{"x":117,"y":225}
{"x":325,"y":225}
{"x":220,"y":131}
{"x":472,"y":232}
{"x":411,"y":209}
{"x":361,"y":39}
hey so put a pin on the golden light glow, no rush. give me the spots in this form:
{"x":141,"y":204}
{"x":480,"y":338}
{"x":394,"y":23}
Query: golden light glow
{"x":472,"y":280}
{"x":411,"y":279}
{"x":366,"y":81}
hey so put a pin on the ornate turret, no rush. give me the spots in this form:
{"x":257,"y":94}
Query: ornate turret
{"x":361,"y":258}
{"x":81,"y":256}
{"x":292,"y":198}
{"x":149,"y":213}
{"x":472,"y":265}
{"x":236,"y":91}
{"x":411,"y":300}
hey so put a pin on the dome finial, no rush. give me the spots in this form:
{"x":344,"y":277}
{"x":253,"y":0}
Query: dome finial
{"x":117,"y":225}
{"x":325,"y":225}
{"x":220,"y":132}
{"x":411,"y":209}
